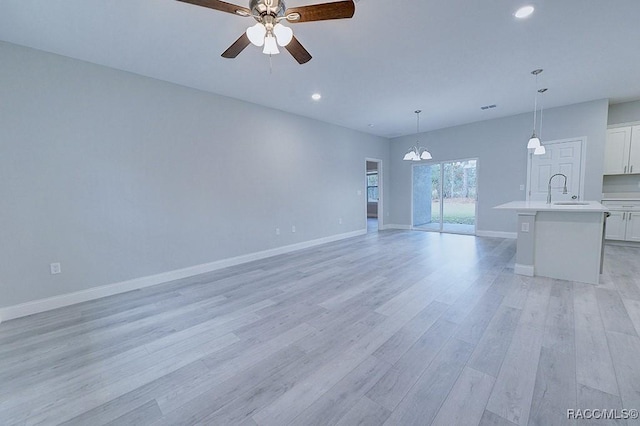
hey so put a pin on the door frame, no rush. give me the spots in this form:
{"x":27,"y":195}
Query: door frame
{"x":441,"y":163}
{"x":380,"y":192}
{"x":583,"y":160}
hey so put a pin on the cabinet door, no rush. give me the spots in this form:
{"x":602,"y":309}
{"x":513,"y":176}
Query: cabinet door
{"x":634,"y":152}
{"x":616,"y":152}
{"x":616,"y":226}
{"x":633,"y":226}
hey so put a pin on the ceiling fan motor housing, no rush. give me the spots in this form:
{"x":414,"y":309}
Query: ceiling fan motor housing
{"x":261,"y":8}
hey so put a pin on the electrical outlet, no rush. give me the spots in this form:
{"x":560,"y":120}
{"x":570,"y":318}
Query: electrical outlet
{"x":359,"y":192}
{"x":339,"y":221}
{"x":521,"y":187}
{"x":55,"y":268}
{"x":293,"y":228}
{"x":277,"y":231}
{"x":525,"y":227}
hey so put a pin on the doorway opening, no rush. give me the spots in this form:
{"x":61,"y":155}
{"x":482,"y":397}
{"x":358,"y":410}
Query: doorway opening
{"x":444,"y":196}
{"x":373,"y":209}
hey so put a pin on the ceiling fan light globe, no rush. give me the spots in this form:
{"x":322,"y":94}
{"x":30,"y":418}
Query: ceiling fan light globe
{"x":408,"y":156}
{"x":426,"y":155}
{"x":283,"y":34}
{"x":256,"y":34}
{"x":270,"y":45}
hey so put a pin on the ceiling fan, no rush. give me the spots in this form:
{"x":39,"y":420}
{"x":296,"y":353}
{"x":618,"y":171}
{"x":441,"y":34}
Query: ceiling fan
{"x":268,"y":32}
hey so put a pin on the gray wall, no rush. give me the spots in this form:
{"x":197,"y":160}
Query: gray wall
{"x":119,"y":176}
{"x":627,"y":112}
{"x":500,"y":146}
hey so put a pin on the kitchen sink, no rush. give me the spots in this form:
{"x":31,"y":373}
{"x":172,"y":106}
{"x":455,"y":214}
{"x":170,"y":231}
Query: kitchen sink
{"x":571,"y":203}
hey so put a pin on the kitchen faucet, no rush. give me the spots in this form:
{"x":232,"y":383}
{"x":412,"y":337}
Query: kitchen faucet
{"x":564,"y":190}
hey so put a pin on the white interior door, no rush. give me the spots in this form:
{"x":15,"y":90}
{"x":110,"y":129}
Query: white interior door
{"x":564,"y":157}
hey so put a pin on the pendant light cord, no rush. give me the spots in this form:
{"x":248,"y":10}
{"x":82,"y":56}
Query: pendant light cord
{"x":541,"y":109}
{"x":541,"y":91}
{"x":535,"y":106}
{"x":418,"y":128}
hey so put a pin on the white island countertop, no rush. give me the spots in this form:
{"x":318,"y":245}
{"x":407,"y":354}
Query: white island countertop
{"x":541,"y":206}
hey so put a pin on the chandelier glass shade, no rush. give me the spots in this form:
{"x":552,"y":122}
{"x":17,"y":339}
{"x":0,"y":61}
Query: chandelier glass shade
{"x":417,"y":153}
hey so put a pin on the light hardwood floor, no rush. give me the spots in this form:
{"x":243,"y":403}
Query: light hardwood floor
{"x":395,"y":328}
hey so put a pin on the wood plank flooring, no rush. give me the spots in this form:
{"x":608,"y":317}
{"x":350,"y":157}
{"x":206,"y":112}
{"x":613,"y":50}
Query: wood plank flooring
{"x":391,"y":328}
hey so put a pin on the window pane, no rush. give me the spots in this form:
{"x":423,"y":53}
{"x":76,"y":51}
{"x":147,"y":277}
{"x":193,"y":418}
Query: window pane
{"x":372,"y":194}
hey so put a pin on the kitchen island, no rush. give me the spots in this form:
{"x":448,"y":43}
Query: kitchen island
{"x":559,"y":240}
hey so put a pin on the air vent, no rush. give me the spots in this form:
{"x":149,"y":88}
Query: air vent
{"x":486,"y":107}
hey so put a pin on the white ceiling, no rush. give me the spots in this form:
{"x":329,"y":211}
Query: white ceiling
{"x":447,"y":57}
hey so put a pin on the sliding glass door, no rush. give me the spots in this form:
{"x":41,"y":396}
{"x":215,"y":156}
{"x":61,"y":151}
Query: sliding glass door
{"x":444,"y":196}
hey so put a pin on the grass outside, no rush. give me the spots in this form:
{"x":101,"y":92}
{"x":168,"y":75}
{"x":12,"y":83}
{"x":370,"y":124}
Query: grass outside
{"x":456,"y":210}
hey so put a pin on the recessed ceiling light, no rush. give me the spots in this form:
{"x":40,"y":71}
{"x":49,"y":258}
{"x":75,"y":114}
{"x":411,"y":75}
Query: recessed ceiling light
{"x":370,"y":125}
{"x":523,"y":12}
{"x":316,"y":96}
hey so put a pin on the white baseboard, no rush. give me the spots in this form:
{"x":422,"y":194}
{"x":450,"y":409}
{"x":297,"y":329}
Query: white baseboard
{"x":42,"y":305}
{"x":493,"y":234}
{"x":523,"y":270}
{"x":497,"y":234}
{"x":395,"y":226}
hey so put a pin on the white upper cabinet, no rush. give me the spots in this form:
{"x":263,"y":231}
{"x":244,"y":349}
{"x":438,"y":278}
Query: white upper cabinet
{"x":634,"y":150}
{"x":622,"y":151}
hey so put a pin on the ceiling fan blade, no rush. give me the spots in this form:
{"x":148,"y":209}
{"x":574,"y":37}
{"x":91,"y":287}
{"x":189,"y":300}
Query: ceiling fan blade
{"x":221,"y":6}
{"x":237,"y":47}
{"x":322,"y":11}
{"x":299,"y":53}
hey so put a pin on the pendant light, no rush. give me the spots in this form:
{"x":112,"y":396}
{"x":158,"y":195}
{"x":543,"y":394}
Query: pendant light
{"x":540,"y":150}
{"x":417,"y":153}
{"x":534,"y":141}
